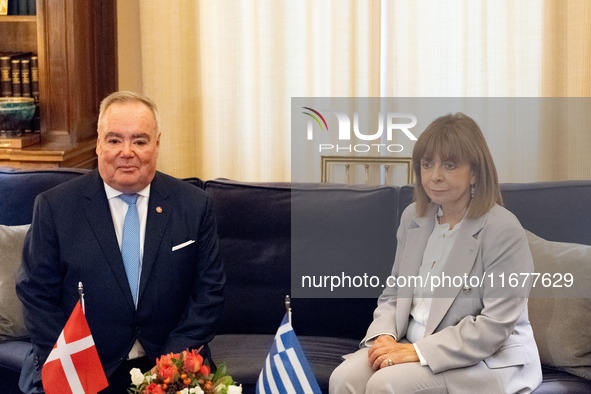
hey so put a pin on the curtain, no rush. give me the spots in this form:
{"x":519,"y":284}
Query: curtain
{"x":512,"y":49}
{"x":565,"y":140}
{"x":472,"y":49}
{"x":223,"y":74}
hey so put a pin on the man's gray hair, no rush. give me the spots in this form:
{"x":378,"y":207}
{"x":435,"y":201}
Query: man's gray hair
{"x":127,"y":97}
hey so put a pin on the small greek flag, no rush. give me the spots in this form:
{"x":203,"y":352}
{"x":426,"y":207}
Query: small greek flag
{"x":286,"y":369}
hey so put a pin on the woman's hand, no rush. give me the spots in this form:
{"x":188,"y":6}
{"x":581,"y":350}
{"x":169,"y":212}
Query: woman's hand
{"x":385,"y":352}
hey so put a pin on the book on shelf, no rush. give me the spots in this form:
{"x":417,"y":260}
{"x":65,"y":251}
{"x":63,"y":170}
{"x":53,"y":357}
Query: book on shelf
{"x":26,"y":78}
{"x":35,"y":78}
{"x":11,"y":69}
{"x":5,"y":78}
{"x":18,"y":7}
{"x":19,"y":77}
{"x":15,"y":74}
{"x":12,"y":7}
{"x":36,"y":122}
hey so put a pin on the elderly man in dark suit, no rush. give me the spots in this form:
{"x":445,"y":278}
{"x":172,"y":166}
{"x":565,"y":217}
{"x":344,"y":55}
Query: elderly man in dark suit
{"x":164,"y":296}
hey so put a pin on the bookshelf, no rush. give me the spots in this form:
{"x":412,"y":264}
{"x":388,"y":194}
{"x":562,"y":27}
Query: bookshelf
{"x":76,"y":42}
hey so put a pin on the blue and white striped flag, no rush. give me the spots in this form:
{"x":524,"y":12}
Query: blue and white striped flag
{"x":286,"y":369}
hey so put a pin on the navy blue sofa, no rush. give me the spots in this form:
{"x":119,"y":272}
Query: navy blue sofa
{"x":266,"y":230}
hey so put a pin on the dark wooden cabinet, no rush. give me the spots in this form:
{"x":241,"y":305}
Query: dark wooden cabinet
{"x":76,"y":42}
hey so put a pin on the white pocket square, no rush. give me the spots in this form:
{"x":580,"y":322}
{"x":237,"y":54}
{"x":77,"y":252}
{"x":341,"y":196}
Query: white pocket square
{"x":180,"y":246}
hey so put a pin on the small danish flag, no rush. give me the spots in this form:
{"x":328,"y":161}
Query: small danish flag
{"x":73,"y":366}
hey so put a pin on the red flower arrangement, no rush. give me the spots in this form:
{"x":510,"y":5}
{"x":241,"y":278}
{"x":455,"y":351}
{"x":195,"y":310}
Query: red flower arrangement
{"x":182,"y":373}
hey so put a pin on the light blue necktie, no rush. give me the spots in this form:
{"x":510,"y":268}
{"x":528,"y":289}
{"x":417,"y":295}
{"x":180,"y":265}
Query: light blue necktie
{"x":130,"y":244}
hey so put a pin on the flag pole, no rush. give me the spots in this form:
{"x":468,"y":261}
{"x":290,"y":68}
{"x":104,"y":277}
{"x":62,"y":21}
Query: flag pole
{"x":288,"y":307}
{"x":81,"y":293}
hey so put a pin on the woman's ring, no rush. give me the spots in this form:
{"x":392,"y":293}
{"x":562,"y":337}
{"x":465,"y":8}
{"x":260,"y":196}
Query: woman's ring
{"x":390,"y":363}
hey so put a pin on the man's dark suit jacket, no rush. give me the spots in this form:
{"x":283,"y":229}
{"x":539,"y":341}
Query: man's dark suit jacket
{"x":72,"y":239}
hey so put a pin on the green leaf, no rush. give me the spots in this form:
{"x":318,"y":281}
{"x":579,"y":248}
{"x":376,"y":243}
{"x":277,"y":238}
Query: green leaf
{"x":221,"y":372}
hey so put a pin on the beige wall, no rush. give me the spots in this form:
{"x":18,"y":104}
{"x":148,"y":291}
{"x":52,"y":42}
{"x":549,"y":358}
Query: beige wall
{"x":130,"y":49}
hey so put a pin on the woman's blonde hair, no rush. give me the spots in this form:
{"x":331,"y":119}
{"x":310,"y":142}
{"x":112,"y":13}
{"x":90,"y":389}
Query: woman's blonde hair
{"x":457,"y":138}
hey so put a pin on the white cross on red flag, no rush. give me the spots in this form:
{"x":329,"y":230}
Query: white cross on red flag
{"x":73,"y":366}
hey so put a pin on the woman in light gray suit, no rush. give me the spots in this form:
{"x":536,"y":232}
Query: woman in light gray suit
{"x":454,"y":319}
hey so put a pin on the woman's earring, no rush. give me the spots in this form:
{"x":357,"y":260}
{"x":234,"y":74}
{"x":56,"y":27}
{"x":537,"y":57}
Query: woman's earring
{"x":472,"y":187}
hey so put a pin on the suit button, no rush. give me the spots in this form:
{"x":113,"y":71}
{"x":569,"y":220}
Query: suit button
{"x":138,"y":330}
{"x":467,"y":289}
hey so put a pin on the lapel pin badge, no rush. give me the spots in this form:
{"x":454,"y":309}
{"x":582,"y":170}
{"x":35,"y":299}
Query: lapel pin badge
{"x":159,"y":209}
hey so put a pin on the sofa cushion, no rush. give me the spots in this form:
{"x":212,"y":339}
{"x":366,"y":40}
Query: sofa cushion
{"x":265,"y":229}
{"x":12,"y":323}
{"x":343,"y":239}
{"x":561,"y":324}
{"x":254,"y":228}
{"x":12,"y":356}
{"x":553,"y":210}
{"x":18,"y":188}
{"x":560,"y":382}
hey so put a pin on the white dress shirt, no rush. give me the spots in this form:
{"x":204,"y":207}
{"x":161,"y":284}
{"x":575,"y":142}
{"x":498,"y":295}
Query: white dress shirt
{"x":435,"y":257}
{"x":118,"y":211}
